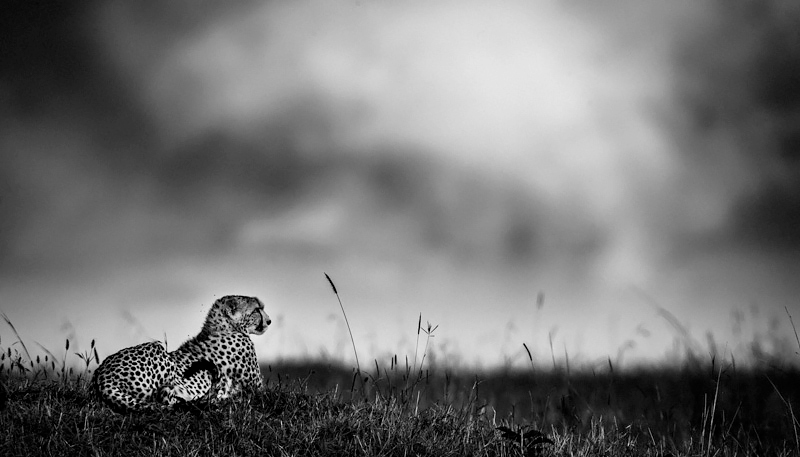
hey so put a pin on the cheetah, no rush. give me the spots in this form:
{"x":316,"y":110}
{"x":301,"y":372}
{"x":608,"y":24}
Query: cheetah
{"x":216,"y":364}
{"x":224,"y":342}
{"x":135,"y":377}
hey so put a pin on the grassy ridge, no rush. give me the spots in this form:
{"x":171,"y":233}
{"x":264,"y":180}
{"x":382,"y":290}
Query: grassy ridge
{"x":61,"y":419}
{"x":321,"y":408}
{"x":683,"y":410}
{"x":325,"y":409}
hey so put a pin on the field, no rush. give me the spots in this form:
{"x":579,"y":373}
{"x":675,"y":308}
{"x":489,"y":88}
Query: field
{"x":321,"y":408}
{"x":407,"y":407}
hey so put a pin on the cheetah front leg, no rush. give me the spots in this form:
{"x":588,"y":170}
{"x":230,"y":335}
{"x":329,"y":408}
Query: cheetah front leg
{"x":195,"y":384}
{"x":226,"y":388}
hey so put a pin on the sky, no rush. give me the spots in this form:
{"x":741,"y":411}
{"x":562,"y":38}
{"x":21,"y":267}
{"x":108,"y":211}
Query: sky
{"x":597,"y":180}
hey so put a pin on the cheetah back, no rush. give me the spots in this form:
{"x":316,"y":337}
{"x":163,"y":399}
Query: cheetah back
{"x":130,"y":378}
{"x":136,"y":377}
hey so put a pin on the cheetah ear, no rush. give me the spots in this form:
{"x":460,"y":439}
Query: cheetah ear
{"x":224,"y":303}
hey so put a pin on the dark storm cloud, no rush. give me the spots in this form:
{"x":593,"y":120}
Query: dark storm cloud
{"x":741,"y":80}
{"x":81,"y":155}
{"x":116,"y":179}
{"x":45,"y":76}
{"x":771,"y":218}
{"x":53,"y":71}
{"x":196,"y":147}
{"x":44,"y":55}
{"x":58,"y":70}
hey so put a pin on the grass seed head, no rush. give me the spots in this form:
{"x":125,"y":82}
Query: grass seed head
{"x":331,"y":283}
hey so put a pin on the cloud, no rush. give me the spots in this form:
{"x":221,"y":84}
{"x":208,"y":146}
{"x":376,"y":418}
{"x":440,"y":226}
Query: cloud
{"x":570,"y":138}
{"x":587,"y":148}
{"x":499,"y":91}
{"x":742,"y":111}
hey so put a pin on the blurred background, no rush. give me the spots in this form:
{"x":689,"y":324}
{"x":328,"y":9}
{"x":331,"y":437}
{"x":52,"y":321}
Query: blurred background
{"x":598,"y":180}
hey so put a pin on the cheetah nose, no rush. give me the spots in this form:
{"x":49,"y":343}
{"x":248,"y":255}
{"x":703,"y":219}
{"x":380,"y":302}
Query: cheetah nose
{"x":269,"y":321}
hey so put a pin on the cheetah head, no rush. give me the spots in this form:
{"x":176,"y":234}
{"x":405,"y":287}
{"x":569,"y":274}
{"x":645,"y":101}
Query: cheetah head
{"x":238,"y":313}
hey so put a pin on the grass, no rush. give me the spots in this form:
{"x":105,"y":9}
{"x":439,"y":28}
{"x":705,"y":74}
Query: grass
{"x":61,"y":418}
{"x":648,"y":414}
{"x":407,"y":407}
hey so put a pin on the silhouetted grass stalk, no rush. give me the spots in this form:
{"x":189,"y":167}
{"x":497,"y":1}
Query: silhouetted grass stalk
{"x":416,"y":345}
{"x":793,"y":327}
{"x":22,"y":343}
{"x":710,"y":416}
{"x":64,"y":362}
{"x":429,"y":332}
{"x":530,"y":357}
{"x":352,"y":340}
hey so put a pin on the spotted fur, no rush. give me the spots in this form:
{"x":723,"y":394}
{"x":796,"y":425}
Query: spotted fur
{"x":136,"y":377}
{"x":219,"y":362}
{"x":225,"y":342}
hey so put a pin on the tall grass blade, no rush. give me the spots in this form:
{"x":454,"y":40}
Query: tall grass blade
{"x":793,"y":327}
{"x":416,"y":345}
{"x":530,"y":356}
{"x":52,"y":356}
{"x":352,"y":340}
{"x":24,"y":348}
